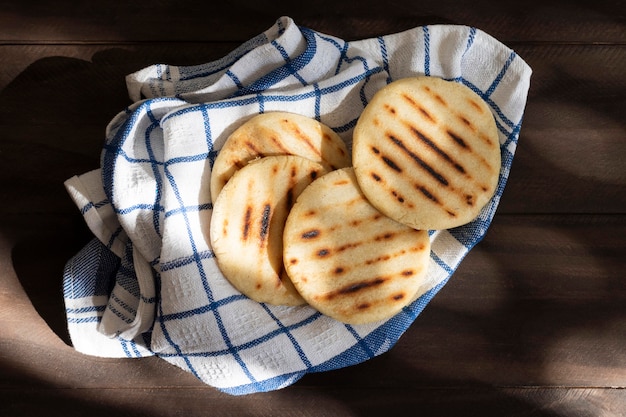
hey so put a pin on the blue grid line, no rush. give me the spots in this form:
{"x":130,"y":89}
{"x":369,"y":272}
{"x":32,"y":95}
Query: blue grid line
{"x":426,"y":50}
{"x":114,"y":235}
{"x":343,"y":51}
{"x":89,"y":309}
{"x":235,"y":79}
{"x":449,"y":270}
{"x":189,"y":158}
{"x":500,"y":75}
{"x":360,"y":341}
{"x":155,"y":170}
{"x":177,"y":263}
{"x":133,"y":346}
{"x":343,"y":54}
{"x":288,"y":62}
{"x":318,"y":101}
{"x":470,"y":40}
{"x":123,"y":304}
{"x":252,"y":343}
{"x":199,"y":207}
{"x":273,"y":98}
{"x":203,"y":278}
{"x":275,"y":76}
{"x":180,"y":315}
{"x":169,"y":340}
{"x":84,"y":320}
{"x":207,"y":132}
{"x":120,"y":315}
{"x":346,"y":127}
{"x":91,"y":205}
{"x":290,"y":336}
{"x":368,"y":75}
{"x":136,"y":207}
{"x":124,"y":344}
{"x":385,"y":58}
{"x":147,"y":300}
{"x":113,"y":146}
{"x":261,"y":102}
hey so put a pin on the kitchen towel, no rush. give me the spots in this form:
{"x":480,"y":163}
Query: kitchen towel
{"x":148,"y":283}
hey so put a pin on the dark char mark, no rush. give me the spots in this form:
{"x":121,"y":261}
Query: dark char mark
{"x":440,"y":178}
{"x":437,"y":149}
{"x":391,"y":164}
{"x":265,"y":222}
{"x":428,"y":194}
{"x":246,"y":223}
{"x":360,"y":286}
{"x":311,"y":234}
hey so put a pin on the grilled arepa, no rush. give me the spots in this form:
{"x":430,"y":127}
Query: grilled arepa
{"x":278,"y":133}
{"x":426,"y":152}
{"x":348,"y":260}
{"x":246,"y":228}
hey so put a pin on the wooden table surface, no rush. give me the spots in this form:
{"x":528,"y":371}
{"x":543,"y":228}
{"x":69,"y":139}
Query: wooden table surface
{"x":533,"y":323}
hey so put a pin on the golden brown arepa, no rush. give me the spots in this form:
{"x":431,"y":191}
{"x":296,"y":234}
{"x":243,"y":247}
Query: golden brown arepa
{"x":348,"y":260}
{"x":277,"y":133}
{"x":246,"y":228}
{"x":426,"y":152}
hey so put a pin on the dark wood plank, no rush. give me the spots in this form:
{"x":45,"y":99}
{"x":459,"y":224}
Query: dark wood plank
{"x":303,"y":402}
{"x":572,"y":143}
{"x":189,"y":20}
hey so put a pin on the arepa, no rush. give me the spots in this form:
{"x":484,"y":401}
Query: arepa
{"x":278,"y":133}
{"x":426,"y":152}
{"x":348,"y":260}
{"x":247,"y":221}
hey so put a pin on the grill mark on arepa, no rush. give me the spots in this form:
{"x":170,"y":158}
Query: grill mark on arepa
{"x":391,"y":164}
{"x":295,"y":130}
{"x":279,"y":145}
{"x":311,"y":234}
{"x":459,"y":140}
{"x":246,"y":222}
{"x":463,"y":144}
{"x":432,"y":145}
{"x":419,"y":108}
{"x":481,"y":135}
{"x":475,"y":105}
{"x":353,"y":288}
{"x":327,"y":252}
{"x":322,"y":253}
{"x":265,"y":222}
{"x":253,"y":148}
{"x":467,"y":198}
{"x":435,"y":95}
{"x":419,"y":161}
{"x":430,"y":195}
{"x":289,"y":197}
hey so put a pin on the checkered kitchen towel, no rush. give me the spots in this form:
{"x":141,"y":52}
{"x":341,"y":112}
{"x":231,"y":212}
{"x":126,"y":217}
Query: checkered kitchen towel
{"x":148,"y":283}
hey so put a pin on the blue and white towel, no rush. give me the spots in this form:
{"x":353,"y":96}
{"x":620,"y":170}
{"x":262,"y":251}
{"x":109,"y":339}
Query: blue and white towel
{"x":148,"y":283}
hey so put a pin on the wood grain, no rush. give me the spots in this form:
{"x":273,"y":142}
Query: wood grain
{"x":191,"y":20}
